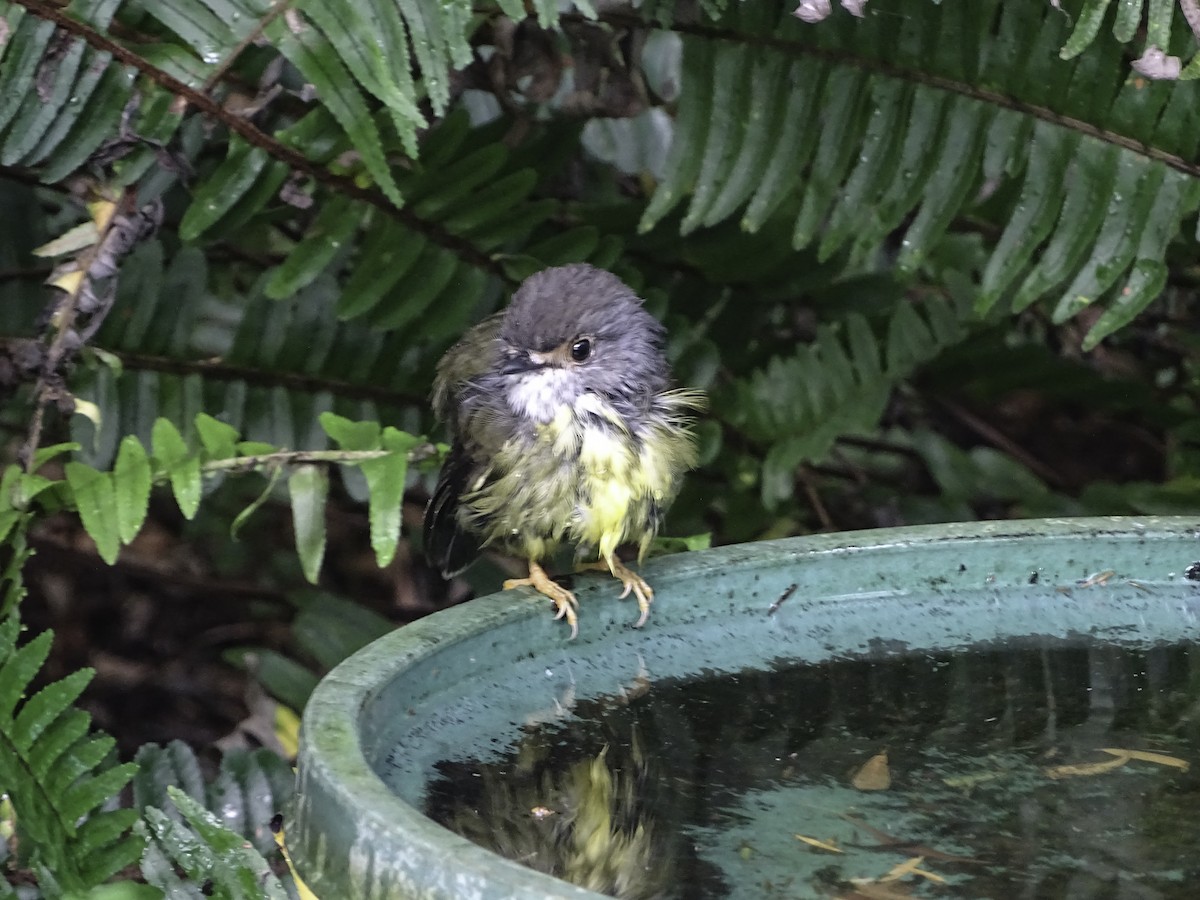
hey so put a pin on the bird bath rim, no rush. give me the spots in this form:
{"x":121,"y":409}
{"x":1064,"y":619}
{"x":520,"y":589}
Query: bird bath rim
{"x":352,"y":837}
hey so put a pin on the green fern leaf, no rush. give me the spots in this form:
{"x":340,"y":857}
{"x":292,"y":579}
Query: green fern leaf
{"x":158,"y":767}
{"x":250,"y":789}
{"x":317,"y":60}
{"x":171,"y":453}
{"x":88,"y":793}
{"x":96,"y":499}
{"x":39,"y":111}
{"x":207,"y":852}
{"x":344,"y":25}
{"x":45,"y":707}
{"x":893,"y":155}
{"x":28,"y":41}
{"x":57,"y":738}
{"x":131,"y":487}
{"x":18,"y":667}
{"x":220,"y":191}
{"x":330,"y":231}
{"x":308,"y":487}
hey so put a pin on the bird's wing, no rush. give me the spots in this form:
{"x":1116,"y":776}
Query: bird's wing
{"x":449,"y":546}
{"x":474,"y":355}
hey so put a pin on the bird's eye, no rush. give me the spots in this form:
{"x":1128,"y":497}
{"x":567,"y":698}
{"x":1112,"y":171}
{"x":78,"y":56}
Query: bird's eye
{"x":581,"y":350}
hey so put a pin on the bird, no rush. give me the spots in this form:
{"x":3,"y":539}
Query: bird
{"x":565,"y":429}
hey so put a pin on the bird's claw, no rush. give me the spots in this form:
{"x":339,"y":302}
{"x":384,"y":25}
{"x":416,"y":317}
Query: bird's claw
{"x":633,"y":582}
{"x":564,"y":601}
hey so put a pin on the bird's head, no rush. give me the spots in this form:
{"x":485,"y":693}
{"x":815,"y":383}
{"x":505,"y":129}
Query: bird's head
{"x":576,"y":329}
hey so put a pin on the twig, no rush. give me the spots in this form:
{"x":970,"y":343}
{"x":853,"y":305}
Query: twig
{"x":300,"y":457}
{"x":787,"y":592}
{"x":998,"y":439}
{"x":814,"y":498}
{"x":63,"y":321}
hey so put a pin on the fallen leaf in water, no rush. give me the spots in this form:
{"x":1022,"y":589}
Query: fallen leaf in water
{"x":820,"y":845}
{"x":905,"y":868}
{"x":874,"y":774}
{"x":1083,"y":769}
{"x":912,"y":867}
{"x":1161,"y":759}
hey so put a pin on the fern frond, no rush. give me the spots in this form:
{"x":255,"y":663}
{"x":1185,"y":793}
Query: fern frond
{"x":837,"y":385}
{"x":112,"y":505}
{"x":137,"y":91}
{"x":216,"y":861}
{"x":59,"y":779}
{"x":1089,"y":180}
{"x":251,"y":787}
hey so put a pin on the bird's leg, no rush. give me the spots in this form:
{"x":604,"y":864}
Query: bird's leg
{"x":632,"y":581}
{"x":564,"y":600}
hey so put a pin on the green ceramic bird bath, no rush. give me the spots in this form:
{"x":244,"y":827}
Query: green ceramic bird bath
{"x":835,"y":650}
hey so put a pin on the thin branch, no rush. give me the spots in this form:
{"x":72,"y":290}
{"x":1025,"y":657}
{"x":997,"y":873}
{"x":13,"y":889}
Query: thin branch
{"x":281,"y":458}
{"x":814,"y":498}
{"x":66,"y":311}
{"x":999,"y":439}
{"x":249,"y":132}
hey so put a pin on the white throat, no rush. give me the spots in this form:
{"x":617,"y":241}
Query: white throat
{"x":540,"y":394}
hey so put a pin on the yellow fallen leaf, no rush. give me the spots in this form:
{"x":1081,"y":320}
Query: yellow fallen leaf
{"x":102,"y":212}
{"x":1161,"y":759}
{"x":905,"y":868}
{"x":1099,"y":768}
{"x":929,"y":876}
{"x":820,"y":845}
{"x":77,"y":238}
{"x":287,"y":730}
{"x":88,"y":410}
{"x":874,"y":774}
{"x":68,"y":281}
{"x":1096,"y":578}
{"x":301,"y":888}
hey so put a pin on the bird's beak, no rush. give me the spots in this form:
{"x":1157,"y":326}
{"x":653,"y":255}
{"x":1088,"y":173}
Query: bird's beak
{"x":519,"y":362}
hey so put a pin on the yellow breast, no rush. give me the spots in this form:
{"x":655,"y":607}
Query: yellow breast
{"x":614,"y":482}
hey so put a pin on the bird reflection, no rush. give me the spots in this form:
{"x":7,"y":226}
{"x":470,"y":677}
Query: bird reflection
{"x":586,"y":821}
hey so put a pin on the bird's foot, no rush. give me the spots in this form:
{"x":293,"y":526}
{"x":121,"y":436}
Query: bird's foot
{"x":564,"y":600}
{"x":633,"y":582}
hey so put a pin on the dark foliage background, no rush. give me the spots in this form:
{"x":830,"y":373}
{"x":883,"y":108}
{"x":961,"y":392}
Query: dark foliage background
{"x":932,"y":262}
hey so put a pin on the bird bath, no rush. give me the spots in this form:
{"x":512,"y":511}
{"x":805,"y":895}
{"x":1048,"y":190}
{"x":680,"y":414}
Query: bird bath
{"x":1004,"y":705}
